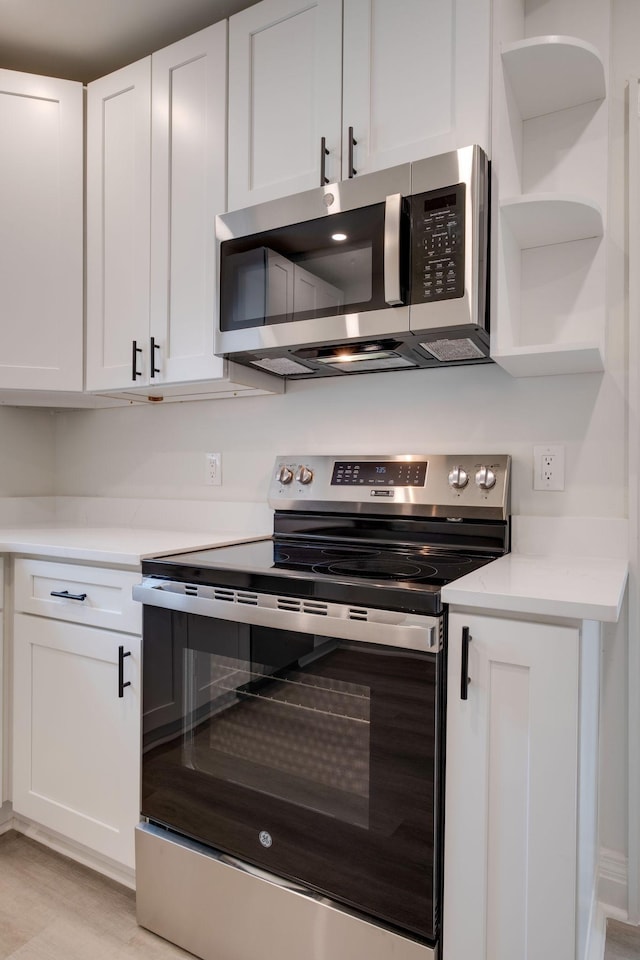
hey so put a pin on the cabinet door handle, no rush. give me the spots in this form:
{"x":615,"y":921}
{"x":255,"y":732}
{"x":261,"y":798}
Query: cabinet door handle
{"x":324,"y":153}
{"x":352,"y":143}
{"x":68,"y":596}
{"x":135,"y":373}
{"x":154,"y":346}
{"x":121,"y":681}
{"x":465,"y":679}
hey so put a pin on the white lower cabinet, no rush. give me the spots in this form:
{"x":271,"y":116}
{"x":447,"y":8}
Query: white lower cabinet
{"x":76,"y":725}
{"x":521,"y":788}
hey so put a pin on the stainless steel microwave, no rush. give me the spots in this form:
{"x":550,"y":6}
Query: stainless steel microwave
{"x":386,"y":271}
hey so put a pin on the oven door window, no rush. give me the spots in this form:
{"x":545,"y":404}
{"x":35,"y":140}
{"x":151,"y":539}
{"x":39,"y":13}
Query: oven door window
{"x":320,"y":268}
{"x":311,"y":757}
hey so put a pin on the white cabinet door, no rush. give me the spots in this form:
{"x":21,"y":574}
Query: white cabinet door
{"x":285,"y":79}
{"x":76,"y":742}
{"x":511,"y":791}
{"x":416,"y":79}
{"x":188,"y":162}
{"x":118,"y":226}
{"x":41,"y":233}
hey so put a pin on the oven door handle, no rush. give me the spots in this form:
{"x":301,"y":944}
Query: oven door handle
{"x":392,"y":224}
{"x":390,"y":628}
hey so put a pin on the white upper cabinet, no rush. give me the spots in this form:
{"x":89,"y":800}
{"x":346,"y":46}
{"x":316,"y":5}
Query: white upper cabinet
{"x":118,"y":223}
{"x":41,"y":233}
{"x":415,"y":80}
{"x":156,"y":162}
{"x":188,"y":188}
{"x":403,"y":81}
{"x":285,"y":83}
{"x":155,"y":182}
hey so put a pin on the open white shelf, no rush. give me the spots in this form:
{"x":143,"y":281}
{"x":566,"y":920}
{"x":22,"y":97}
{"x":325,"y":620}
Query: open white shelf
{"x":537,"y":220}
{"x":553,"y":73}
{"x":540,"y":360}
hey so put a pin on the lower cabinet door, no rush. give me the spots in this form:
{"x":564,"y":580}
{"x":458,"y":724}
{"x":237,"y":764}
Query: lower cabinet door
{"x":76,"y":741}
{"x":511,"y":790}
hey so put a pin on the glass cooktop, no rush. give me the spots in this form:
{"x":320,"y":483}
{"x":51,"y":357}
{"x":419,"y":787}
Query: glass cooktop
{"x":405,"y":579}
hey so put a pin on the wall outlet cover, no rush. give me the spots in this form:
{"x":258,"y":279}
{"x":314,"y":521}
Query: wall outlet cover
{"x":548,"y":466}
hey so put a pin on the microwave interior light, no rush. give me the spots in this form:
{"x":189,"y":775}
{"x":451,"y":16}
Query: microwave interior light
{"x":354,"y":357}
{"x":338,"y":236}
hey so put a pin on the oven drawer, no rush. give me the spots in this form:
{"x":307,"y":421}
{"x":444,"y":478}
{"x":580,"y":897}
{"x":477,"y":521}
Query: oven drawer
{"x":95,"y":596}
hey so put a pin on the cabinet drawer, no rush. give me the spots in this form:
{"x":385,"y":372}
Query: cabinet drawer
{"x":91,"y":595}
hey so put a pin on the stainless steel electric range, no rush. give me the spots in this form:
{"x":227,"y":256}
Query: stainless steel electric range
{"x":294,"y":713}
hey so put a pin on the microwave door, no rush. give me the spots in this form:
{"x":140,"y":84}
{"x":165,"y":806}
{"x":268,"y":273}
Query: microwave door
{"x":327,"y":280}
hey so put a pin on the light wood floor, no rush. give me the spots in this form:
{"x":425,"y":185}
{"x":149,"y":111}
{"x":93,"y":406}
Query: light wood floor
{"x":623,"y":941}
{"x":54,"y":909}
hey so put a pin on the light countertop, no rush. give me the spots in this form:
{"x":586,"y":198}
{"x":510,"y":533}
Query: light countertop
{"x":121,"y":546}
{"x":582,"y":588}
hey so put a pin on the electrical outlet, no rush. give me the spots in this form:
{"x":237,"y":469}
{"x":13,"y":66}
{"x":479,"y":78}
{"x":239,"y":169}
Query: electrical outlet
{"x":548,"y":467}
{"x":213,"y":466}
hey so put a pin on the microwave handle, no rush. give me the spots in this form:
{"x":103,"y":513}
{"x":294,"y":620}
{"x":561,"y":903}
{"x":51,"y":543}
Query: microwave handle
{"x":392,"y":217}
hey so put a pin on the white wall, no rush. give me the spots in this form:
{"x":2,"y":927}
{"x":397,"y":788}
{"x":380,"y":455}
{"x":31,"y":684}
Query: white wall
{"x":27,"y":440}
{"x":158,"y":451}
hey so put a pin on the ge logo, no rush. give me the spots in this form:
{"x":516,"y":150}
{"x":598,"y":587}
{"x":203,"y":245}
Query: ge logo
{"x":328,"y":199}
{"x":265,"y":838}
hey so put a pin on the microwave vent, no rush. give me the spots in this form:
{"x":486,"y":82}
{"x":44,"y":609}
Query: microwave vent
{"x":281,"y":366}
{"x":448,"y":350}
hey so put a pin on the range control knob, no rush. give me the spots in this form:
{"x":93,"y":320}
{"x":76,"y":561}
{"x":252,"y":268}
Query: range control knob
{"x":458,"y":478}
{"x":284,"y":475}
{"x":304,"y":475}
{"x":485,"y":478}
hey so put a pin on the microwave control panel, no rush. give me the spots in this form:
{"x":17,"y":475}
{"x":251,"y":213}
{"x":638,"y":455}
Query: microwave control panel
{"x":437,"y":244}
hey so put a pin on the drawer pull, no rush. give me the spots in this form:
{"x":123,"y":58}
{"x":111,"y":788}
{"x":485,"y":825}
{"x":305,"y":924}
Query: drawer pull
{"x":121,"y":680}
{"x":68,"y":596}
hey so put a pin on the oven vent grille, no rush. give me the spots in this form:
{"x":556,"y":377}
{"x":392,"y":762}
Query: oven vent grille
{"x":358,"y":613}
{"x":220,"y":593}
{"x":249,"y":598}
{"x":293,"y":605}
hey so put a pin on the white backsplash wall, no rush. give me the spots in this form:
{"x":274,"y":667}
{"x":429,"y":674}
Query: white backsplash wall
{"x":159,"y":451}
{"x":27,"y":439}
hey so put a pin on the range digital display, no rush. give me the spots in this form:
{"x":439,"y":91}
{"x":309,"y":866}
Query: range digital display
{"x":379,"y":473}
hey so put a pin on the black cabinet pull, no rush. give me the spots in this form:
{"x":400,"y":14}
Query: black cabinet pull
{"x":154,"y":346}
{"x":352,"y":143}
{"x":68,"y":596}
{"x":465,"y":679}
{"x":121,"y":681}
{"x":135,"y":373}
{"x":324,"y":153}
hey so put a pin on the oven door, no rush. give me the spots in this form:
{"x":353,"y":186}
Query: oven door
{"x":276,"y":737}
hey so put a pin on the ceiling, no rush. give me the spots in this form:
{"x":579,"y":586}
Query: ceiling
{"x":85,"y":39}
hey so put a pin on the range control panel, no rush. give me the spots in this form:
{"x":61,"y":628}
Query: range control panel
{"x":437,"y":244}
{"x":456,"y":487}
